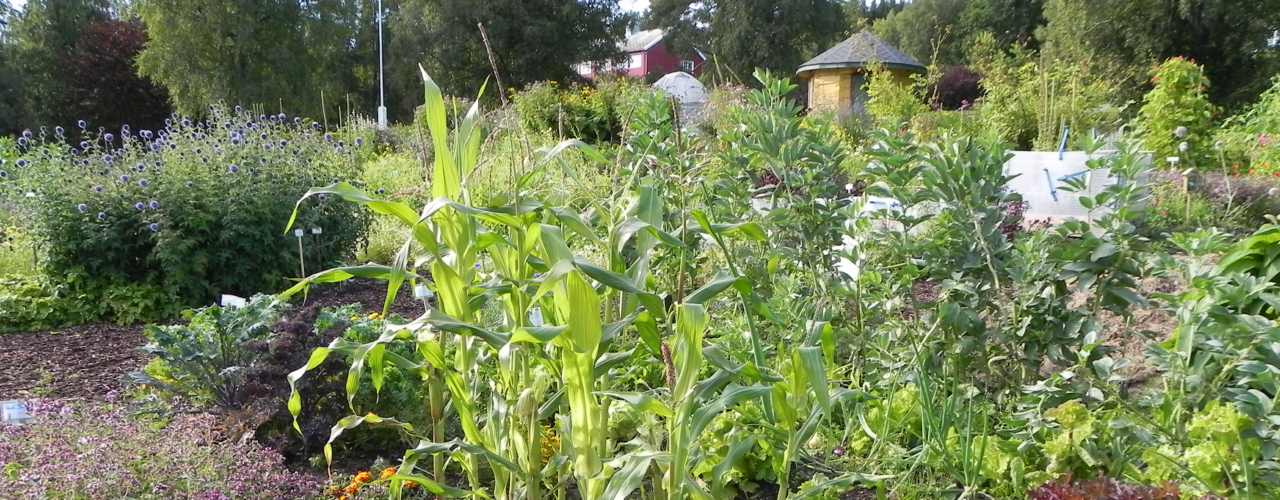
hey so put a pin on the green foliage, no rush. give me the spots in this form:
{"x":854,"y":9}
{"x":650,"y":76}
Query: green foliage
{"x":731,"y":30}
{"x":29,"y":305}
{"x":206,"y":358}
{"x":184,"y":213}
{"x":925,"y":29}
{"x":592,"y":114}
{"x":1176,"y":115}
{"x":892,"y":101}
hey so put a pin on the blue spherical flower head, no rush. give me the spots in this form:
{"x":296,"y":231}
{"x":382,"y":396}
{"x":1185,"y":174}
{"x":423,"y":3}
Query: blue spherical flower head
{"x":26,"y":133}
{"x":154,"y":204}
{"x":124,"y":178}
{"x":186,"y":122}
{"x":537,"y":275}
{"x":283,"y":143}
{"x":297,"y":120}
{"x":108,"y":137}
{"x":4,"y":175}
{"x":82,"y":207}
{"x":57,"y":130}
{"x":107,"y":158}
{"x":320,"y":196}
{"x":146,"y":134}
{"x":233,"y":169}
{"x":22,"y":141}
{"x":282,"y":116}
{"x":173,"y":146}
{"x":335,"y":180}
{"x":139,"y":206}
{"x":154,"y":227}
{"x":143,"y":183}
{"x":84,"y":144}
{"x":85,"y":162}
{"x":82,"y":124}
{"x":262,"y":135}
{"x":315,"y":125}
{"x":97,"y":189}
{"x":328,"y":137}
{"x":102,"y":216}
{"x":239,"y":109}
{"x":191,"y":184}
{"x":266,"y":147}
{"x":155,"y":146}
{"x":21,"y":163}
{"x":338,"y":150}
{"x":359,"y":142}
{"x":75,"y":151}
{"x":381,"y":191}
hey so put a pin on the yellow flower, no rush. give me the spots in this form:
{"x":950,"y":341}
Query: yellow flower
{"x":355,"y":318}
{"x":374,"y":315}
{"x":388,"y":472}
{"x":363,"y":477}
{"x":351,"y":490}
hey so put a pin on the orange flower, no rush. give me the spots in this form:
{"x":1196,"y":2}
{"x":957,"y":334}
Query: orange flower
{"x":351,"y":490}
{"x":411,"y":484}
{"x":343,"y":497}
{"x":333,"y":490}
{"x":363,"y":477}
{"x":388,"y":472}
{"x":1250,"y":171}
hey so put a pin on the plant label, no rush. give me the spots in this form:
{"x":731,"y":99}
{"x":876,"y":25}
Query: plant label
{"x":535,"y":316}
{"x":297,"y":233}
{"x":315,"y":231}
{"x":14,"y":412}
{"x":233,"y":302}
{"x":421,"y":292}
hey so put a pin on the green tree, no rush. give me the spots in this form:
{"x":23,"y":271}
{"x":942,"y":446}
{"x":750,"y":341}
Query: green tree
{"x":532,"y":40}
{"x":40,"y":37}
{"x":1231,"y":38}
{"x":1009,"y":21}
{"x":277,"y":54}
{"x":923,"y":27}
{"x":747,"y":34}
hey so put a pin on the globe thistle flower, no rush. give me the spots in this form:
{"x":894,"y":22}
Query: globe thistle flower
{"x":186,"y":122}
{"x":359,"y":142}
{"x":154,"y":204}
{"x":315,"y":125}
{"x":26,"y":133}
{"x":233,"y":169}
{"x":84,"y":144}
{"x":4,"y":175}
{"x":1180,"y":132}
{"x":328,"y":137}
{"x":173,"y":146}
{"x":155,"y":146}
{"x":382,"y":191}
{"x":22,"y":141}
{"x":124,"y":178}
{"x":335,"y":180}
{"x":82,"y":207}
{"x":102,"y":216}
{"x":82,"y":124}
{"x":139,"y":205}
{"x":266,"y":147}
{"x":124,"y":129}
{"x":143,"y":183}
{"x":107,"y":158}
{"x":321,"y":196}
{"x":97,"y":189}
{"x":84,"y":162}
{"x":74,"y":151}
{"x":1217,"y":145}
{"x":199,"y":151}
{"x":191,"y":184}
{"x":108,"y":137}
{"x":262,"y":136}
{"x":146,"y":134}
{"x":282,"y":116}
{"x":57,"y":130}
{"x":154,"y":227}
{"x":21,"y":163}
{"x":297,"y":120}
{"x":338,"y":150}
{"x":284,"y":143}
{"x":1183,"y":147}
{"x":239,"y":109}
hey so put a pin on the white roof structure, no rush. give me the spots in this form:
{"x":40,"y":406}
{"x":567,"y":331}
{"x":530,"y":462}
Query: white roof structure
{"x":683,"y":86}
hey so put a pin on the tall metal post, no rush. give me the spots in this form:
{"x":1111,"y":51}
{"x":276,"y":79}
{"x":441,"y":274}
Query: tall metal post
{"x":382,"y":93}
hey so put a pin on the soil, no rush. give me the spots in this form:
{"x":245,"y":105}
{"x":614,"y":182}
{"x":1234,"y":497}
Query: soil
{"x":88,"y":361}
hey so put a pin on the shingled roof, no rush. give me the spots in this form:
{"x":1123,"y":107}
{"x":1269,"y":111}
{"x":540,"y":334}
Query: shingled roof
{"x":858,"y":51}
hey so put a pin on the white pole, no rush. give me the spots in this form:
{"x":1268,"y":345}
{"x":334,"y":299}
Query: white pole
{"x":382,"y":94}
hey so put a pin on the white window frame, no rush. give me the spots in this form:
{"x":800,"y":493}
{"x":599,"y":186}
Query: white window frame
{"x":686,"y":66}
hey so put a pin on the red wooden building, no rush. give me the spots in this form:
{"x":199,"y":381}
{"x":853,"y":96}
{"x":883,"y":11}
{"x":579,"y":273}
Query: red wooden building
{"x":646,"y":53}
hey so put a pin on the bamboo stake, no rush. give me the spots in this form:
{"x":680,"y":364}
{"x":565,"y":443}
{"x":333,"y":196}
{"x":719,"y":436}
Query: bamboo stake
{"x":493,"y":61}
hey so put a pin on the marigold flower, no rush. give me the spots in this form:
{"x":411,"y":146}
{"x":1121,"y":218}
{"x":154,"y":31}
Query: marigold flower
{"x":410,"y":484}
{"x":388,"y":472}
{"x":363,"y":477}
{"x":351,"y":490}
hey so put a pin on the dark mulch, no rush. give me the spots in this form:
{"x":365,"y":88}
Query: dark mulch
{"x":88,"y":361}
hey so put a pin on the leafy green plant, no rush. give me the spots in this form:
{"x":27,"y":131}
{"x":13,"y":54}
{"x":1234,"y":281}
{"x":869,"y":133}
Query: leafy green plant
{"x":206,"y":358}
{"x":1177,"y":112}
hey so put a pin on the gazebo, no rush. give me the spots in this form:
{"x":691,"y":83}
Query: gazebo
{"x":835,"y":79}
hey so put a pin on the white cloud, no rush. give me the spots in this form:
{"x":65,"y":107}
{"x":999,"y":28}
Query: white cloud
{"x":634,"y":5}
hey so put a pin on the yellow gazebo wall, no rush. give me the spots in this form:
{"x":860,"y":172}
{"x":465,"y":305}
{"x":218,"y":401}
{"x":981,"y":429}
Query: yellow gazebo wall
{"x":833,"y":89}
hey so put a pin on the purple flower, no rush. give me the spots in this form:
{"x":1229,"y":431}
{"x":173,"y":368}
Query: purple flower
{"x":26,"y":133}
{"x":107,"y":158}
{"x":146,"y":134}
{"x":82,"y":124}
{"x":283,"y":143}
{"x":102,"y":216}
{"x":239,"y":109}
{"x":315,"y":125}
{"x":186,"y":122}
{"x":84,"y":144}
{"x":155,"y":146}
{"x":143,"y":183}
{"x":282,"y":116}
{"x":108,"y":137}
{"x":328,"y":137}
{"x":82,"y":207}
{"x":359,"y":142}
{"x":97,"y":189}
{"x":75,"y":151}
{"x":262,"y":135}
{"x":154,"y":227}
{"x":22,"y":163}
{"x":233,"y":169}
{"x":124,"y":178}
{"x":335,"y":180}
{"x":321,"y":196}
{"x":3,"y":174}
{"x":297,"y":120}
{"x":338,"y":150}
{"x":22,"y":141}
{"x":191,"y":184}
{"x":139,"y":206}
{"x":381,"y":191}
{"x":57,"y":130}
{"x":154,"y":204}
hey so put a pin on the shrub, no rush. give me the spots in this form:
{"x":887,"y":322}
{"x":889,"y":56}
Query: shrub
{"x":1177,"y":111}
{"x":29,"y":304}
{"x":592,"y":114}
{"x":184,"y":213}
{"x":958,"y":88}
{"x":891,"y":101}
{"x":83,"y":453}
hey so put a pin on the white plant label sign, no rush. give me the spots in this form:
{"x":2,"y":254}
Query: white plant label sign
{"x":14,"y":412}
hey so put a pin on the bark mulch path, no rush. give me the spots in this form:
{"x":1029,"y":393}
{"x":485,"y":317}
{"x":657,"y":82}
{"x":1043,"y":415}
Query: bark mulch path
{"x":88,"y":361}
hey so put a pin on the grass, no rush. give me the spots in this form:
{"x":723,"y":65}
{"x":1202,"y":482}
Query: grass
{"x":17,"y":254}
